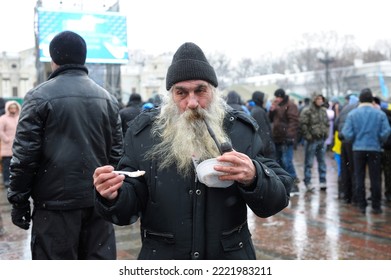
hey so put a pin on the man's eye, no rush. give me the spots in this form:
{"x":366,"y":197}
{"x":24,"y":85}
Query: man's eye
{"x":180,"y":94}
{"x":200,"y":90}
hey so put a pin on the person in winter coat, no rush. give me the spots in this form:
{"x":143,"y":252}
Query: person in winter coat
{"x":258,"y":112}
{"x":314,"y":126}
{"x":386,"y":153}
{"x":2,"y":112}
{"x":348,"y":180}
{"x":68,"y":126}
{"x":386,"y":160}
{"x":181,"y":217}
{"x":368,"y":129}
{"x":234,"y":100}
{"x":132,"y":109}
{"x":8,"y":123}
{"x":284,"y":116}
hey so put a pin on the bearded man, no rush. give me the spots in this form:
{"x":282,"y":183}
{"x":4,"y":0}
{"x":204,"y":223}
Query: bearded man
{"x":180,"y":217}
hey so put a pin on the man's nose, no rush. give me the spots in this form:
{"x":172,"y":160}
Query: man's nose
{"x":192,"y":102}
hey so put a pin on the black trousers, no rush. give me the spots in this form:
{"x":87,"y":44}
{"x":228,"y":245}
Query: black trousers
{"x":347,"y":173}
{"x":362,"y":159}
{"x":6,"y":170}
{"x":71,"y":235}
{"x":386,"y":167}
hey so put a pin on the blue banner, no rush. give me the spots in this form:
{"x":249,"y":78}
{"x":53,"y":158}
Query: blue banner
{"x":104,"y":33}
{"x":383,"y":86}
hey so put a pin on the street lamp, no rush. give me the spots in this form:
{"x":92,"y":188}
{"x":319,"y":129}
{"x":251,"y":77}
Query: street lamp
{"x":325,"y":59}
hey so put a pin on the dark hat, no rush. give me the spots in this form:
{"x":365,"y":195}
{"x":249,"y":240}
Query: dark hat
{"x":279,"y":93}
{"x":233,"y":97}
{"x":135,"y":97}
{"x":258,"y":97}
{"x":190,"y":63}
{"x":67,"y":47}
{"x":377,"y":100}
{"x":366,"y":95}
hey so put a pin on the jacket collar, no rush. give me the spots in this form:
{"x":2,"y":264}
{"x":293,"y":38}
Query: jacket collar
{"x":67,"y":67}
{"x":368,"y":104}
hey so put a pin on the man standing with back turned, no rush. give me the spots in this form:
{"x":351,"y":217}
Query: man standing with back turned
{"x":68,"y":126}
{"x":182,"y":218}
{"x":367,"y":128}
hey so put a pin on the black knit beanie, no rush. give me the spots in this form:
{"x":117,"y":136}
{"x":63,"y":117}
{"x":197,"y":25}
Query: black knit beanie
{"x":68,"y":47}
{"x":366,"y":95}
{"x":190,"y":63}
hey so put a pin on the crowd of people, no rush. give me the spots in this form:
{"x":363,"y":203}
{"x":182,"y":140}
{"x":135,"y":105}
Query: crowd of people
{"x":72,"y":134}
{"x":358,"y":142}
{"x":85,"y":162}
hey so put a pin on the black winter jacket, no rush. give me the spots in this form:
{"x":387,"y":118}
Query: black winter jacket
{"x":68,"y":126}
{"x":387,"y":144}
{"x":265,"y":130}
{"x":181,"y":218}
{"x":129,"y":113}
{"x":340,"y":120}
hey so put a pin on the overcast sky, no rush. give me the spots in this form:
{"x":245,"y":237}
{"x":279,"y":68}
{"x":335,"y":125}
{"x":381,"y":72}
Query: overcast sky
{"x":239,"y":28}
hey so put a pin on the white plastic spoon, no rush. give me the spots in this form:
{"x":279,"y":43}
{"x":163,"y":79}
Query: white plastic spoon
{"x":137,"y":173}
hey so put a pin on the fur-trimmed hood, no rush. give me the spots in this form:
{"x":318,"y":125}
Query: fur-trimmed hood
{"x":9,"y":103}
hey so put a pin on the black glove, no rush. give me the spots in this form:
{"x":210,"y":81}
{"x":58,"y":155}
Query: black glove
{"x":20,"y":215}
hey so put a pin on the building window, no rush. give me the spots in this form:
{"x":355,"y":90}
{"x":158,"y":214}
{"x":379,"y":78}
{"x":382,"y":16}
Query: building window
{"x":14,"y":91}
{"x":23,"y":85}
{"x":6,"y":84}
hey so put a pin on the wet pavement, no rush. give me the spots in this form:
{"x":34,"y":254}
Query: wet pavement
{"x":315,"y":226}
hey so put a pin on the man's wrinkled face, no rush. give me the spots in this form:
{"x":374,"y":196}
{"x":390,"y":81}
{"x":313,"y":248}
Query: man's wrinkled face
{"x":190,"y":95}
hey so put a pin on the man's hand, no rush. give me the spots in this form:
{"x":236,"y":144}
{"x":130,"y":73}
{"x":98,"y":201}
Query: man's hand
{"x":106,"y":182}
{"x":274,"y":105}
{"x":242,"y":170}
{"x":21,"y":215}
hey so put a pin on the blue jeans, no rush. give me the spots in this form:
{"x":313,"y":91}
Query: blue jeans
{"x":337,"y":158}
{"x":284,"y":155}
{"x":311,"y":149}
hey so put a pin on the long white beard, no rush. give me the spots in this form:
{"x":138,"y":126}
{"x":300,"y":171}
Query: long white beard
{"x":185,"y":135}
